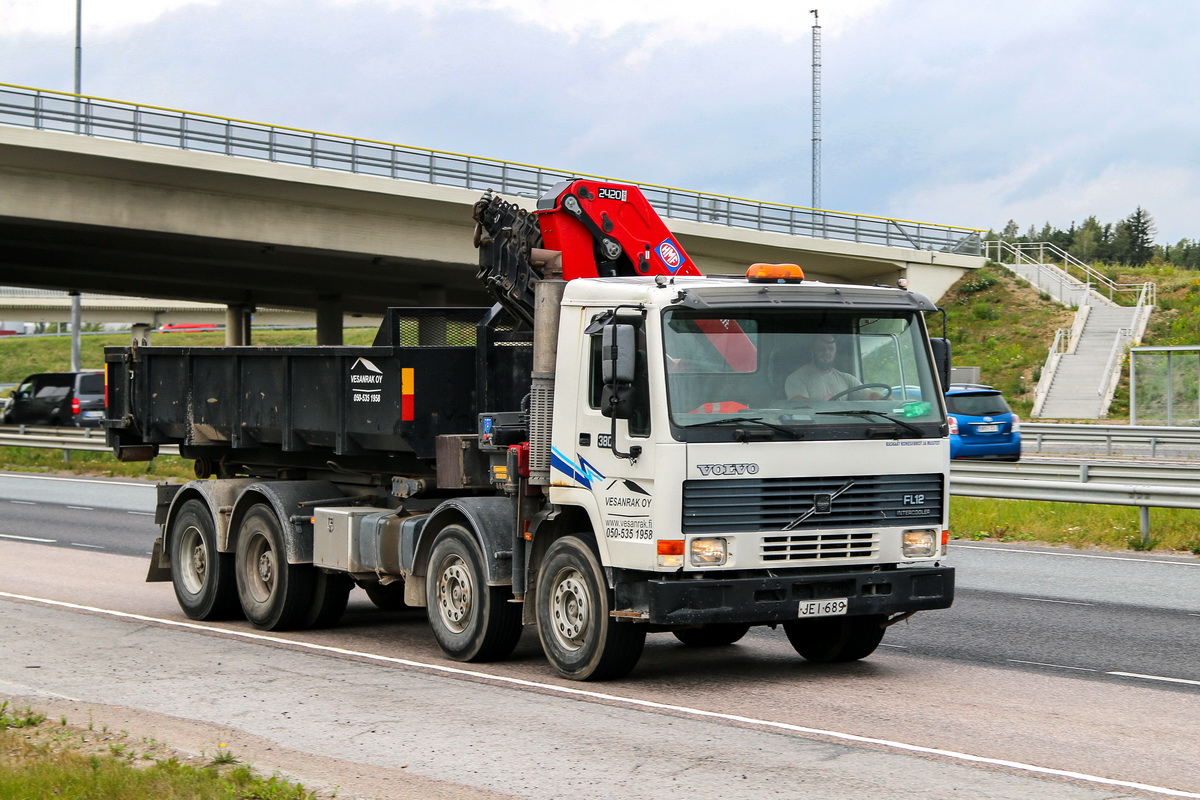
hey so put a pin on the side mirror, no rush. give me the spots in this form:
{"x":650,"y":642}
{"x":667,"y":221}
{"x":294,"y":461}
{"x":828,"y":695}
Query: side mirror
{"x":617,"y":365}
{"x":941,"y":360}
{"x":619,"y":354}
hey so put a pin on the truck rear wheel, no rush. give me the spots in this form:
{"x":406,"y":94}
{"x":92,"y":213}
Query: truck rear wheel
{"x":388,"y":597}
{"x":834,"y":639}
{"x":331,"y":591}
{"x":275,"y":595}
{"x":713,"y":634}
{"x":581,"y":640}
{"x":203,"y":577}
{"x":471,"y":620}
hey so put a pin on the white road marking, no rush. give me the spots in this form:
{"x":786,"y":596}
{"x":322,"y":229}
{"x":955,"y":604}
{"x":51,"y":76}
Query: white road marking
{"x":1055,"y":666}
{"x":72,"y":480}
{"x":93,"y":546}
{"x":1078,"y":555}
{"x":615,"y":699}
{"x":1063,"y":602}
{"x":141,"y":513}
{"x":81,"y":508}
{"x":23,"y":502}
{"x":1154,"y":678}
{"x":25,"y":538}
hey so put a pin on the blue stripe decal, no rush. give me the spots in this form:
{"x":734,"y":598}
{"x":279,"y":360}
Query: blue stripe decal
{"x":582,"y":473}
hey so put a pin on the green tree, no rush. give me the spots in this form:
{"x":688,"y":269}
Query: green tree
{"x":1139,"y":228}
{"x":1089,"y":240}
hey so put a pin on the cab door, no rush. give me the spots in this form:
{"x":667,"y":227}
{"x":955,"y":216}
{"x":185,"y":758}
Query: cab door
{"x":615,"y":457}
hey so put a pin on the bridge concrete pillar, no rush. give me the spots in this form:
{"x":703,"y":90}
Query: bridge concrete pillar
{"x":140,"y":332}
{"x":237,"y":324}
{"x":329,"y":319}
{"x":432,"y":332}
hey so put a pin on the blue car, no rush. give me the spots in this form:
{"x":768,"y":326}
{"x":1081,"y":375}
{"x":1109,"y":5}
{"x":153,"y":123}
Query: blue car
{"x":982,"y":426}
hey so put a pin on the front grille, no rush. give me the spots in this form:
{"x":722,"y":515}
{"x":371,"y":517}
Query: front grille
{"x":816,"y":546}
{"x":731,"y":505}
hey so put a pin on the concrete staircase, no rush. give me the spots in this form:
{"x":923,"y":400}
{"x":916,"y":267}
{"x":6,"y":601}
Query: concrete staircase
{"x":1084,"y":364}
{"x":1079,"y":383}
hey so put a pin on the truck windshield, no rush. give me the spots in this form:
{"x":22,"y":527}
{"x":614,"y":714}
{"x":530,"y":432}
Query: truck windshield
{"x":799,"y":373}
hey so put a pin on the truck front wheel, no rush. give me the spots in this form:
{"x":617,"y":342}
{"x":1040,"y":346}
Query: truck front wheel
{"x":581,"y":640}
{"x":275,"y":595}
{"x":833,"y":639}
{"x":471,"y":620}
{"x":203,"y":577}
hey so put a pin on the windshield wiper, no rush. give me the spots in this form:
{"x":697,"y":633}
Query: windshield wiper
{"x":737,"y":420}
{"x":864,"y":412}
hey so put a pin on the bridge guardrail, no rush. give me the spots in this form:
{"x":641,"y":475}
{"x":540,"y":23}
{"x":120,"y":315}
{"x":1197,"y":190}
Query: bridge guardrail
{"x":1035,"y":435}
{"x":115,"y":119}
{"x":85,"y":439}
{"x":1144,"y":485}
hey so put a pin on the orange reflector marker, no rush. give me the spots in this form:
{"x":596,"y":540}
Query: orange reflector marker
{"x":945,"y":538}
{"x":774,"y":273}
{"x":670,"y":547}
{"x":407,"y":394}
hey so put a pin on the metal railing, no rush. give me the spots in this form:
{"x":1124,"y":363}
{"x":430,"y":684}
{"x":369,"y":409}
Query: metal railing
{"x":66,"y":439}
{"x":1046,"y":254}
{"x":131,"y":122}
{"x":1152,"y":441}
{"x":1064,"y":338}
{"x":1145,"y":485}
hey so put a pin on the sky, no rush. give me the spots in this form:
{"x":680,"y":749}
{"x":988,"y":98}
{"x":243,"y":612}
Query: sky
{"x":955,"y":112}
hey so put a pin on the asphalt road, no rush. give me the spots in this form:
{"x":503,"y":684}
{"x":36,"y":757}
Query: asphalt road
{"x":1050,"y":659}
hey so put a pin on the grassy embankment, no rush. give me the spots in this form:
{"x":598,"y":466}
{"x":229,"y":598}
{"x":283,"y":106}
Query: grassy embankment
{"x":999,"y":323}
{"x":42,"y":758}
{"x":995,"y":321}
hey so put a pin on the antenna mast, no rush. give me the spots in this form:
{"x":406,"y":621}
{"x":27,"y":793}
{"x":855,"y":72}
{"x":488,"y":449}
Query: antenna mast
{"x":816,"y":110}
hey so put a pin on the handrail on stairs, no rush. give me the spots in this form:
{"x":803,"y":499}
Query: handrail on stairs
{"x":1047,"y":253}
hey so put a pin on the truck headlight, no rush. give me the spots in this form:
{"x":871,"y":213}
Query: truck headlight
{"x":709,"y":552}
{"x":919,"y":543}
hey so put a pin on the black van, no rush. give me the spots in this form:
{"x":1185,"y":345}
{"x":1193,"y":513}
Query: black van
{"x":58,"y":398}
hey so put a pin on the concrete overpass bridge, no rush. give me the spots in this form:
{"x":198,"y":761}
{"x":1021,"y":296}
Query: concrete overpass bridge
{"x":103,"y":196}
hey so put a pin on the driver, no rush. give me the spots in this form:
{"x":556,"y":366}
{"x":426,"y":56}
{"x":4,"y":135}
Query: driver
{"x":820,"y":379}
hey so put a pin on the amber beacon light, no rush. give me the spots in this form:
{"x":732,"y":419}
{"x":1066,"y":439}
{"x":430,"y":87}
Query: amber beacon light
{"x":774,"y":273}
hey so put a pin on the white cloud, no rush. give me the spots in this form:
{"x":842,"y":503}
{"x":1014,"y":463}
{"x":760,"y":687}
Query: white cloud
{"x":659,"y":22}
{"x":57,"y":17}
{"x":1170,"y":194}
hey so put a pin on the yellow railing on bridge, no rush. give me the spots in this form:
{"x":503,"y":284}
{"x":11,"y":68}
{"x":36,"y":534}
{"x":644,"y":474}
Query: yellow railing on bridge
{"x":133,"y":122}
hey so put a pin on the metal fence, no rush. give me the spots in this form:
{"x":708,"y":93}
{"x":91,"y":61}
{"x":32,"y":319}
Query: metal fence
{"x":1141,"y":484}
{"x":1165,"y":385}
{"x":131,"y":122}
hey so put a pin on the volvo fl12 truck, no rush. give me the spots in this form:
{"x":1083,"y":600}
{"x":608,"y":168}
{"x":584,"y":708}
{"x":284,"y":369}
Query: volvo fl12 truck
{"x":620,"y":446}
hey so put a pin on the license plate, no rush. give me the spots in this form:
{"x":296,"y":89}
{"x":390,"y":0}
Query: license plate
{"x":823,"y":608}
{"x":987,"y":428}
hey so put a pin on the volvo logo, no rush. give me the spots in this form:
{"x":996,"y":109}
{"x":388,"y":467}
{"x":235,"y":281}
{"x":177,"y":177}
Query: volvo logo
{"x":728,"y":469}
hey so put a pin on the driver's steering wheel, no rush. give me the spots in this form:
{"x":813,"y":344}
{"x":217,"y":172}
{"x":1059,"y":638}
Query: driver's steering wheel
{"x":861,"y":386}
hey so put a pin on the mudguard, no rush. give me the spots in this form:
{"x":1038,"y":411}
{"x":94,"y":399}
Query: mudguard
{"x":284,"y":498}
{"x":491,"y":519}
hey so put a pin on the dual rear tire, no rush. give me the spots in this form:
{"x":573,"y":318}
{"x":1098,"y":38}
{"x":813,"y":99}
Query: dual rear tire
{"x":256,"y":581}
